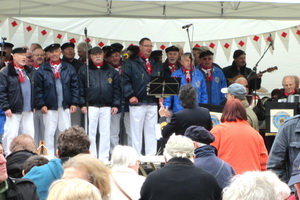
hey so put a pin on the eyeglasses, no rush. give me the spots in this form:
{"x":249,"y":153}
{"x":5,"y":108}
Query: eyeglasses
{"x":147,"y":45}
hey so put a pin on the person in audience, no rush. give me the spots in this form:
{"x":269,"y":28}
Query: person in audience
{"x":70,"y":142}
{"x":21,"y":147}
{"x":238,"y":91}
{"x":125,"y":179}
{"x":256,"y":185}
{"x":191,"y":114}
{"x":89,"y":168}
{"x":32,"y":161}
{"x":73,"y":189}
{"x":285,"y":148}
{"x":237,"y":142}
{"x":18,"y":189}
{"x":206,"y":155}
{"x":179,"y":179}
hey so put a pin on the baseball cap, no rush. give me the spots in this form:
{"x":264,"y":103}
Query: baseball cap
{"x":236,"y":90}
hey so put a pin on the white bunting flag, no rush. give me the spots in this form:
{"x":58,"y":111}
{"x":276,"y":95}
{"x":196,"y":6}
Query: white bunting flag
{"x":13,"y":25}
{"x":241,"y":43}
{"x":28,"y":30}
{"x":284,"y":36}
{"x":256,"y":41}
{"x":226,"y":46}
{"x":43,"y":34}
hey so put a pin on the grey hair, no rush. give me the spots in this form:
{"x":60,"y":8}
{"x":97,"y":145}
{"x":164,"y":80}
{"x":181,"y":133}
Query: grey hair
{"x":186,"y":54}
{"x":255,"y":185}
{"x":188,"y":96}
{"x":124,"y":156}
{"x":289,"y":76}
{"x":180,"y":147}
{"x":83,"y":46}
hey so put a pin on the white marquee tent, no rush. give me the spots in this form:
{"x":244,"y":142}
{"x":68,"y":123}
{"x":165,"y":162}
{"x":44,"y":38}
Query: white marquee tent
{"x":222,"y":25}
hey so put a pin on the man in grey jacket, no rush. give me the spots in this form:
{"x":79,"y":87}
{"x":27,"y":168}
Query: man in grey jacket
{"x":285,"y":148}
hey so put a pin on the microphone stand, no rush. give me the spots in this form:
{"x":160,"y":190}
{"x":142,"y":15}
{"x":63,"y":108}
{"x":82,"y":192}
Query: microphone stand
{"x":2,"y":53}
{"x":87,"y":81}
{"x":192,"y":55}
{"x":255,"y":70}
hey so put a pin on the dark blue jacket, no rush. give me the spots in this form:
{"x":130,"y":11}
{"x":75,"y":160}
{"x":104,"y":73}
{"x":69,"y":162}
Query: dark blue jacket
{"x":206,"y":159}
{"x":45,"y":88}
{"x":136,"y":79}
{"x":104,"y":86}
{"x":11,"y":91}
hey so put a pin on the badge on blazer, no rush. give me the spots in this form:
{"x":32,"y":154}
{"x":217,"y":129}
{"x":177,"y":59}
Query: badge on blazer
{"x":198,"y":83}
{"x":109,"y":80}
{"x":217,"y":79}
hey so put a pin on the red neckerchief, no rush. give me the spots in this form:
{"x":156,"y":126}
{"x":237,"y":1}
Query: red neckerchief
{"x":286,"y":94}
{"x":21,"y":75}
{"x":173,"y":67}
{"x":55,"y":65}
{"x":118,"y":67}
{"x":35,"y":66}
{"x":208,"y":70}
{"x":187,"y":74}
{"x":148,"y":65}
{"x":99,"y":66}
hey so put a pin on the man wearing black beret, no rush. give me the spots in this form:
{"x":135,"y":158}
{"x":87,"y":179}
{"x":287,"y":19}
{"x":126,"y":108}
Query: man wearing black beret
{"x":16,"y":96}
{"x":171,"y":64}
{"x":238,"y":67}
{"x":56,"y":94}
{"x":68,"y":52}
{"x":206,"y":155}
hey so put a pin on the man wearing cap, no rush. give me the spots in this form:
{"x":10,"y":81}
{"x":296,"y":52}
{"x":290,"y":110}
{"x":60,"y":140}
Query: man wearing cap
{"x":103,"y":99}
{"x":214,"y":78}
{"x":188,"y":75}
{"x":142,"y":108}
{"x":56,"y":94}
{"x":82,"y":49}
{"x":16,"y":97}
{"x":113,"y":57}
{"x":7,"y":48}
{"x":171,"y":64}
{"x":285,"y":148}
{"x":68,"y":52}
{"x":206,"y":155}
{"x":179,"y":179}
{"x":239,"y":68}
{"x":237,"y":91}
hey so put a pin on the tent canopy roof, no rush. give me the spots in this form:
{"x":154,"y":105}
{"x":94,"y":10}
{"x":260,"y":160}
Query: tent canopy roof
{"x":197,"y":9}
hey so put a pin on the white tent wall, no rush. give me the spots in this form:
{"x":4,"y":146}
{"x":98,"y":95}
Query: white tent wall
{"x":169,"y":30}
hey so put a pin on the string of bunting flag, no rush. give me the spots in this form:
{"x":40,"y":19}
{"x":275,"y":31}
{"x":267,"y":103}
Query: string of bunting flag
{"x":58,"y":36}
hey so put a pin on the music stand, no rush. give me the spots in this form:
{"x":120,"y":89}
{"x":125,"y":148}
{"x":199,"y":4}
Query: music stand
{"x":163,"y":86}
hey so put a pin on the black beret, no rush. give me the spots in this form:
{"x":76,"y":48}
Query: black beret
{"x":67,"y":44}
{"x":199,"y":134}
{"x":156,"y":53}
{"x":2,"y":53}
{"x":117,"y":46}
{"x":111,"y":51}
{"x":206,"y":53}
{"x":95,"y":50}
{"x":106,"y":48}
{"x":19,"y":50}
{"x":172,"y":48}
{"x":52,"y":47}
{"x":238,"y":53}
{"x":6,"y":44}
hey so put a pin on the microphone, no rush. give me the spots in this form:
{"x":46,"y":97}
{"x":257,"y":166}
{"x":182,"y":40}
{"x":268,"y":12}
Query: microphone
{"x":3,"y":38}
{"x":85,"y":31}
{"x":187,"y":26}
{"x":271,"y":42}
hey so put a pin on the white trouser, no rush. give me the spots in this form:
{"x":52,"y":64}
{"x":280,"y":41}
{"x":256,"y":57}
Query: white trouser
{"x":100,"y":117}
{"x":143,"y":118}
{"x":60,"y":119}
{"x":12,"y":124}
{"x":115,"y":129}
{"x":39,"y":127}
